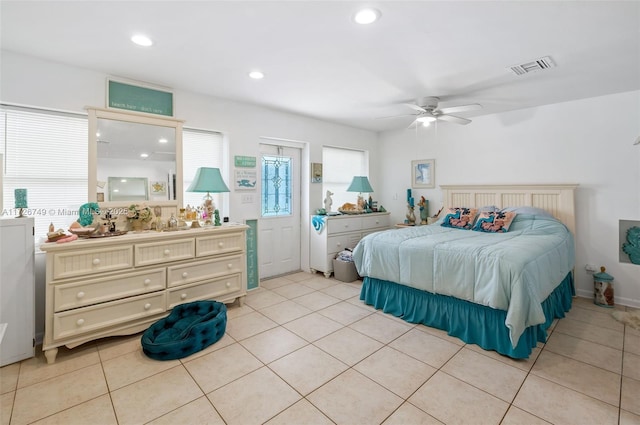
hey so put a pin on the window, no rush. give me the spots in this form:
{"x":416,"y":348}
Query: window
{"x":44,"y":152}
{"x":276,"y":186}
{"x":200,"y":148}
{"x":339,"y":165}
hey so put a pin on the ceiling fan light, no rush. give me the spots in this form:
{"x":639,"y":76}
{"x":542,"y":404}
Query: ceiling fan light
{"x":426,"y":120}
{"x":142,"y":40}
{"x":366,"y":16}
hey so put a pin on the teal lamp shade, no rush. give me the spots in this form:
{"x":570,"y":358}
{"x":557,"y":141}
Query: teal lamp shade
{"x":208,"y":180}
{"x":360,"y":184}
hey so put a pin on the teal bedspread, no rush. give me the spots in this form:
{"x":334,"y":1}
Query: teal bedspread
{"x":514,"y":272}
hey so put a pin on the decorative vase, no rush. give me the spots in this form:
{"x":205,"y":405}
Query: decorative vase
{"x":411,"y":217}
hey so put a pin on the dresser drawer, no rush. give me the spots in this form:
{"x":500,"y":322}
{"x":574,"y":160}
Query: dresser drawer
{"x":92,"y":318}
{"x":204,"y":291}
{"x":92,"y":261}
{"x":87,"y":292}
{"x":161,"y":252}
{"x":220,"y":244}
{"x":338,"y":243}
{"x":340,"y":225}
{"x":375,"y":222}
{"x":201,"y":270}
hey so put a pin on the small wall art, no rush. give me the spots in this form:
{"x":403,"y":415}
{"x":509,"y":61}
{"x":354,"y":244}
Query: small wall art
{"x":316,"y":172}
{"x":423,"y":174}
{"x":245,"y":179}
{"x":158,"y":188}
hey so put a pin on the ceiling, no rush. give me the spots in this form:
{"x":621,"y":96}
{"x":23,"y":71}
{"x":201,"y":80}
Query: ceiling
{"x":319,"y":63}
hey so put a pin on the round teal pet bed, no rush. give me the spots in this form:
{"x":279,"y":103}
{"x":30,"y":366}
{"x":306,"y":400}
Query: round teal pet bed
{"x":189,"y":328}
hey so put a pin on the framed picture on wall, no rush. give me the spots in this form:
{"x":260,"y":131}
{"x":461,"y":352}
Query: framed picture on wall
{"x":316,"y":172}
{"x":423,"y":174}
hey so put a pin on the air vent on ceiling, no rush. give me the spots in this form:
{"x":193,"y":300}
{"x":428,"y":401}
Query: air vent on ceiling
{"x":535,"y":65}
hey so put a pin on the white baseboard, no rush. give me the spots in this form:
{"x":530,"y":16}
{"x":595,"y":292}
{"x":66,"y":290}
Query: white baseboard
{"x":629,"y":302}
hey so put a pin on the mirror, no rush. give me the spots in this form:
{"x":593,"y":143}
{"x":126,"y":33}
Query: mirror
{"x":129,"y":189}
{"x":144,"y":151}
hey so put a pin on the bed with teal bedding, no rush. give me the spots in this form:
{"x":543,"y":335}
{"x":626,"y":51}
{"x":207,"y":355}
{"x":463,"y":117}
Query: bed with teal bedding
{"x":498,"y":290}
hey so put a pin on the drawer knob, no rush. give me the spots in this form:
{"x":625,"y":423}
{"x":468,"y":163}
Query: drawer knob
{"x":338,"y":244}
{"x":80,"y":322}
{"x":377,"y":222}
{"x":147,"y":281}
{"x":228,"y":284}
{"x":147,"y":306}
{"x":96,"y":261}
{"x":185,"y":274}
{"x":167,"y":251}
{"x":183,"y":296}
{"x":220,"y":244}
{"x":346,"y":226}
{"x":80,"y":295}
{"x":230,"y":265}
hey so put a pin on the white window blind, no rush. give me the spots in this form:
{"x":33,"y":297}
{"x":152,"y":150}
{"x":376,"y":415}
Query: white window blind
{"x":200,"y":148}
{"x":44,"y":152}
{"x":339,"y":165}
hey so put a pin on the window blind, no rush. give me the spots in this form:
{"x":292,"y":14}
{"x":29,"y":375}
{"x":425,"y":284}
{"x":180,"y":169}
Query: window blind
{"x":44,"y":152}
{"x":339,"y":165}
{"x":200,"y":148}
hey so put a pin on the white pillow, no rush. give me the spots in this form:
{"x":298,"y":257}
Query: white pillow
{"x":528,"y":210}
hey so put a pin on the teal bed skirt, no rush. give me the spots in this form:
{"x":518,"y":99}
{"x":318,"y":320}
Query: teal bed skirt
{"x":472,"y":323}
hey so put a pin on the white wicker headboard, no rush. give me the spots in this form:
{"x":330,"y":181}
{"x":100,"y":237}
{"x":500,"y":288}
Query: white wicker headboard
{"x":557,"y":199}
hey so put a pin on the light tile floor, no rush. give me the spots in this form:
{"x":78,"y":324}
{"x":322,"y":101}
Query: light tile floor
{"x":304,"y":350}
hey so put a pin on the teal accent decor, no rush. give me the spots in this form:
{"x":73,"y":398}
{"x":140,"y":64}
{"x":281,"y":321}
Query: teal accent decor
{"x":472,"y":323}
{"x":253,"y":279}
{"x":189,"y":328}
{"x":245,"y":161}
{"x":632,"y":246}
{"x":139,"y":99}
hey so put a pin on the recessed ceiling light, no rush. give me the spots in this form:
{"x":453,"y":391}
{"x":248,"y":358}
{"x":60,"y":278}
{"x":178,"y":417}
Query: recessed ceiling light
{"x":163,"y":140}
{"x":367,"y":16}
{"x":142,"y":40}
{"x":256,"y":75}
{"x":144,"y":155}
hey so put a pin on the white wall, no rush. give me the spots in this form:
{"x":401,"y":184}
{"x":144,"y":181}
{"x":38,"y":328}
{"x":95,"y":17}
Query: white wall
{"x":30,"y":81}
{"x":589,"y":142}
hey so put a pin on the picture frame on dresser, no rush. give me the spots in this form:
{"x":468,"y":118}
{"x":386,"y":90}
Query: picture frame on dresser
{"x":423,"y":174}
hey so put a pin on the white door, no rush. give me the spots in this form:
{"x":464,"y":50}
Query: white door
{"x":279,"y":224}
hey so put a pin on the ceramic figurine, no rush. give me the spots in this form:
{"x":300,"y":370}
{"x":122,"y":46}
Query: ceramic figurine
{"x":328,"y":201}
{"x":424,"y":210}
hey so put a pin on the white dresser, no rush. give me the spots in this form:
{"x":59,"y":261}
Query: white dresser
{"x":17,"y":290}
{"x":338,"y":233}
{"x":119,"y":285}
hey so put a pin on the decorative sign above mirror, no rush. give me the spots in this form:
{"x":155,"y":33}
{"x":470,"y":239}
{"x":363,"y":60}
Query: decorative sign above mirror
{"x":137,"y":148}
{"x":139,"y":98}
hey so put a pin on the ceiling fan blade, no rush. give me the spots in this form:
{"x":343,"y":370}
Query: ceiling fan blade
{"x":454,"y":119}
{"x":461,"y":108}
{"x":397,"y":116}
{"x":416,"y":107}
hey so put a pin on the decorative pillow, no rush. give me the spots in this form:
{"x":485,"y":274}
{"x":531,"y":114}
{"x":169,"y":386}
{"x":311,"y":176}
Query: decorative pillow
{"x":528,"y":210}
{"x":459,"y":218}
{"x":494,"y":222}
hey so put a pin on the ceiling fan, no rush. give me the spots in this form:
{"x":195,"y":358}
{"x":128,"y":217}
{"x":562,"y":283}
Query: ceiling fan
{"x":427,"y":111}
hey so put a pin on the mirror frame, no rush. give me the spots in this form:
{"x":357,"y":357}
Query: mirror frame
{"x":137,"y":118}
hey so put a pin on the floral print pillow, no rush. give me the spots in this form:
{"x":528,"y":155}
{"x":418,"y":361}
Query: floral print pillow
{"x":460,"y":218}
{"x":494,"y":222}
